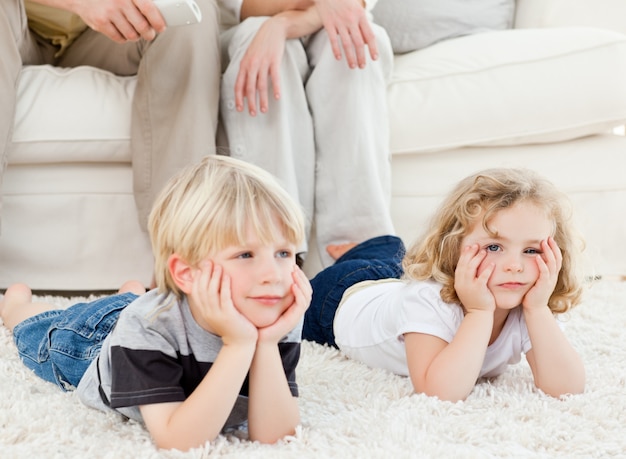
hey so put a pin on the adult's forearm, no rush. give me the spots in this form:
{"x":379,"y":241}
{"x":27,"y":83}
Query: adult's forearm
{"x":251,"y":8}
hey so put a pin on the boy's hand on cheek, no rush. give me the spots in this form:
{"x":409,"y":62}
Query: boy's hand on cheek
{"x":549,"y":264}
{"x":470,"y":284}
{"x":302,"y":292}
{"x":211,"y":293}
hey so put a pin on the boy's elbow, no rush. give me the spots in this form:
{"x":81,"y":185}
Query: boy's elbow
{"x":270,"y":438}
{"x":182,"y":441}
{"x":447,"y":397}
{"x":177,"y":444}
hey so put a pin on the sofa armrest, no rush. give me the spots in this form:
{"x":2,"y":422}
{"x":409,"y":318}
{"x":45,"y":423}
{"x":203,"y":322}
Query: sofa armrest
{"x":606,"y":14}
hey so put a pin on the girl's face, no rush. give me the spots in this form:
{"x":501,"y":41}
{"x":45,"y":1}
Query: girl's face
{"x":261,"y":277}
{"x":518,"y":232}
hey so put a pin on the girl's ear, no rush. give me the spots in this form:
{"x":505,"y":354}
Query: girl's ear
{"x":181,"y":272}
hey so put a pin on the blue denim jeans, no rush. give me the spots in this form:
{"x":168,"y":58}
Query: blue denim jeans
{"x":374,"y":259}
{"x":59,"y":345}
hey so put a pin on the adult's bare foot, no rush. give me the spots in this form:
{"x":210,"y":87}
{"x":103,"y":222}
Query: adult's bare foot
{"x":337,"y":250}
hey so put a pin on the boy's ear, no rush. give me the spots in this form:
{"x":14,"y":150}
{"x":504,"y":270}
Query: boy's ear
{"x":181,"y":272}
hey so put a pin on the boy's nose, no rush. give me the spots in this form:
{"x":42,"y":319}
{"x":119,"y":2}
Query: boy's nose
{"x":270,"y":271}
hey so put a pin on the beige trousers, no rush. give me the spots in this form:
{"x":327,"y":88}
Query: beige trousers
{"x":175,"y":105}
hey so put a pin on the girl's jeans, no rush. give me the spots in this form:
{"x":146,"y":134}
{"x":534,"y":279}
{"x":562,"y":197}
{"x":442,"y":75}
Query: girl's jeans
{"x":377,"y":258}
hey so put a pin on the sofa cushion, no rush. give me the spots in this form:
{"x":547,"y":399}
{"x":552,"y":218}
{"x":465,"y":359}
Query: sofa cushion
{"x":507,"y":88}
{"x":68,"y":115}
{"x":416,"y":24}
{"x":604,"y":14}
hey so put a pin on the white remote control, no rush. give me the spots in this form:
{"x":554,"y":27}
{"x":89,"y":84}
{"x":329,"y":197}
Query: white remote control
{"x":179,"y":12}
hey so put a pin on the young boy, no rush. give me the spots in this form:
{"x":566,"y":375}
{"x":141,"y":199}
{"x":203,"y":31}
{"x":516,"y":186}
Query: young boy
{"x":216,"y":343}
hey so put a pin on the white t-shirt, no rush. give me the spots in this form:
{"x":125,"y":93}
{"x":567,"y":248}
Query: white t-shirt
{"x":372,"y":319}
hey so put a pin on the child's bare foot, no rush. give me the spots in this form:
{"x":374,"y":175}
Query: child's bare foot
{"x":16,"y":294}
{"x":337,"y":250}
{"x":132,"y":286}
{"x":17,"y":305}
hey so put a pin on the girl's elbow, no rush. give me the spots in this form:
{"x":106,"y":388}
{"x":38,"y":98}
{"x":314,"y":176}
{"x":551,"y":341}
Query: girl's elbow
{"x":563,"y":393}
{"x":571,"y":387}
{"x":446,"y":394}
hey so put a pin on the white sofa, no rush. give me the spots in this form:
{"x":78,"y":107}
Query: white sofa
{"x":547,"y":95}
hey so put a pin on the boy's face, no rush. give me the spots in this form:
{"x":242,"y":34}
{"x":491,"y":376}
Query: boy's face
{"x":261,"y":277}
{"x":519,"y":231}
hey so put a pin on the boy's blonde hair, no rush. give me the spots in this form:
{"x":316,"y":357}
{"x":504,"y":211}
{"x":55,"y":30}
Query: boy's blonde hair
{"x":482,"y":195}
{"x":208,"y":207}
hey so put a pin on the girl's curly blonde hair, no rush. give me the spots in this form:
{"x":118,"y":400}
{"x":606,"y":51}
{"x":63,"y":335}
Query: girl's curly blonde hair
{"x":482,"y":195}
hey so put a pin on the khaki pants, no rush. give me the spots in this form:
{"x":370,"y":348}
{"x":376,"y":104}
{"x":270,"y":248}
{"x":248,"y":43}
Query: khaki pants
{"x":175,"y":105}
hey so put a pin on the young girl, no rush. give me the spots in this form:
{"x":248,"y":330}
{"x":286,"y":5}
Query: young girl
{"x":482,"y":286}
{"x":217,"y":342}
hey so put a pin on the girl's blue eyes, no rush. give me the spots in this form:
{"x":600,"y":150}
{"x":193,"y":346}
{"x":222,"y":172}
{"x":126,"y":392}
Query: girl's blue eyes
{"x":496,"y":248}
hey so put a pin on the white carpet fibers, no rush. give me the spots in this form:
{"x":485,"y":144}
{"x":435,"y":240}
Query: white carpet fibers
{"x":349,"y":410}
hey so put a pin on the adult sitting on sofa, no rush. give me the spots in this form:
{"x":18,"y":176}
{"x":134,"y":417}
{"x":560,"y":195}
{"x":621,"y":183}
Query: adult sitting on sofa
{"x":121,"y":37}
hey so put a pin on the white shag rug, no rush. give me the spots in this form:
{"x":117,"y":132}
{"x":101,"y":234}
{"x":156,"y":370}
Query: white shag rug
{"x":351,"y":411}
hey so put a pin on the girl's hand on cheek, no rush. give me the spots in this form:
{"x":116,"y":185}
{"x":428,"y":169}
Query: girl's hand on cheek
{"x":212,"y":296}
{"x":302,"y":292}
{"x":470,"y":284}
{"x":549,"y":265}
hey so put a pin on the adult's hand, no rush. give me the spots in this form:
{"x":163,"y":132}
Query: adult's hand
{"x":121,"y":20}
{"x":347,"y":26}
{"x":261,"y":65}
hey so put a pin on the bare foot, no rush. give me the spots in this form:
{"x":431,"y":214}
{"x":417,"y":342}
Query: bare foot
{"x":132,"y":286}
{"x":16,"y":293}
{"x":17,"y":305}
{"x":337,"y":250}
{"x":19,"y":293}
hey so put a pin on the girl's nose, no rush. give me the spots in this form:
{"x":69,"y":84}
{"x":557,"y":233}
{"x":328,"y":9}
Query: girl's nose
{"x":515,"y":266}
